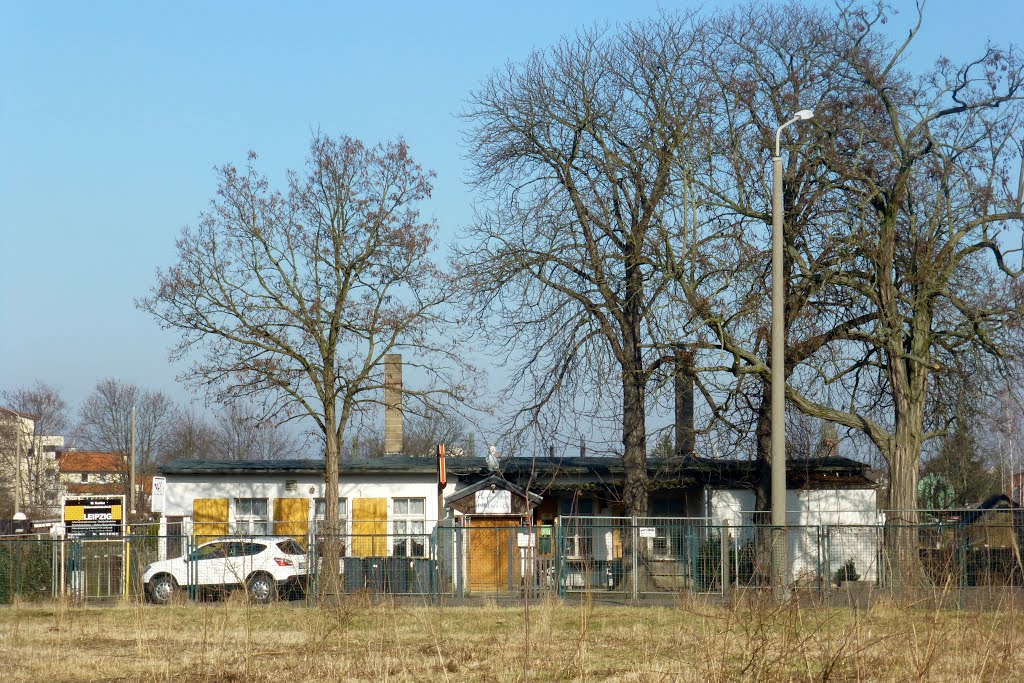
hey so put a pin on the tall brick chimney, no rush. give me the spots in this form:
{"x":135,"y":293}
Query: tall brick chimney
{"x":684,"y":401}
{"x":393,"y":403}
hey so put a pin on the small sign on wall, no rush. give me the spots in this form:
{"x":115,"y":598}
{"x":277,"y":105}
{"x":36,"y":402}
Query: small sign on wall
{"x":648,"y":532}
{"x":497,"y":502}
{"x":158,"y":501}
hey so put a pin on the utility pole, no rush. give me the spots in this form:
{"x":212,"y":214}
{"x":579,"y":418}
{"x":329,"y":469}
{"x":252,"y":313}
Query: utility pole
{"x":778,"y":369}
{"x":131,"y":472}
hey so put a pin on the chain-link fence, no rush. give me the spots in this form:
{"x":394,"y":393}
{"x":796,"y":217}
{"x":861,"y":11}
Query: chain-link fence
{"x":973,"y":556}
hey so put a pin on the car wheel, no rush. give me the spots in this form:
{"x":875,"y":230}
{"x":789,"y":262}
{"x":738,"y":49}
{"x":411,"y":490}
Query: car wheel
{"x":162,"y":588}
{"x":262,"y":588}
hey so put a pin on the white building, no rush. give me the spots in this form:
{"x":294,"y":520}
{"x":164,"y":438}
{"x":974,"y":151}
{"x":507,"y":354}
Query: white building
{"x":29,"y":476}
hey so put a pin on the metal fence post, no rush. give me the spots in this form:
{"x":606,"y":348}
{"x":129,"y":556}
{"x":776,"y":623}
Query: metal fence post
{"x":636,"y":547}
{"x":723,"y":544}
{"x":460,"y":578}
{"x":511,"y":559}
{"x":559,"y":551}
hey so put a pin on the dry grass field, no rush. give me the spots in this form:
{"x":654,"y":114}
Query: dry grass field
{"x":358,"y":641}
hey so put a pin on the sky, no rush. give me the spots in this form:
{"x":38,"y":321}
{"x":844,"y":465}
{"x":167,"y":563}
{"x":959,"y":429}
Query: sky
{"x":113,"y":115}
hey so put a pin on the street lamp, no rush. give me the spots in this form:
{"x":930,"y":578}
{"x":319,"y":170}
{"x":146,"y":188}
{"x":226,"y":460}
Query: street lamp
{"x":778,"y":350}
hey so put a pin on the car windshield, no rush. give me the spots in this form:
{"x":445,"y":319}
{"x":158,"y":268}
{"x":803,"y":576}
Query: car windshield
{"x":291,"y":547}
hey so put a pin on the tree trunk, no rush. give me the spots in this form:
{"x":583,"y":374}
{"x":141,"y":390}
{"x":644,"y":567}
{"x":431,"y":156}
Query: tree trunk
{"x":902,"y":535}
{"x":763,"y":488}
{"x":330,"y":532}
{"x":634,"y":459}
{"x":909,"y":378}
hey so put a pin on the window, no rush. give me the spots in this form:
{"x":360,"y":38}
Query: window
{"x":290,"y":547}
{"x":246,"y":549}
{"x":251,"y":516}
{"x":320,"y":510}
{"x":211,"y":551}
{"x":408,"y":521}
{"x":85,"y":477}
{"x":320,"y":513}
{"x":579,"y":537}
{"x":670,"y":534}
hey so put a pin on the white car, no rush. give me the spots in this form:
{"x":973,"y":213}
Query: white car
{"x":264,"y":566}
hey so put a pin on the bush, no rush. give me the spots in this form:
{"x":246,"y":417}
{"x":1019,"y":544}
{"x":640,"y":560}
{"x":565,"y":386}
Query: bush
{"x":709,"y":560}
{"x":848,"y":572}
{"x":26,"y":570}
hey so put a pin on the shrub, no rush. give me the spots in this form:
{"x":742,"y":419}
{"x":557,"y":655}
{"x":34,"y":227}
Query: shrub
{"x":848,"y":572}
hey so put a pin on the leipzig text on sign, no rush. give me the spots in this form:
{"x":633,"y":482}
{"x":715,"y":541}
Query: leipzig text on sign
{"x":94,"y":517}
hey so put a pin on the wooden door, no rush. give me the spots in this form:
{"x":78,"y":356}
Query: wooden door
{"x":369,"y":527}
{"x":489,"y":540}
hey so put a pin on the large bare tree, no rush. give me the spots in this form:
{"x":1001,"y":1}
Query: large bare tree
{"x":575,"y":152}
{"x":295,"y":296}
{"x":907,"y":275}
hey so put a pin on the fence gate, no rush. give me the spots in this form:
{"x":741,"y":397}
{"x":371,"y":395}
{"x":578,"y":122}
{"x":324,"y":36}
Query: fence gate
{"x":94,"y":569}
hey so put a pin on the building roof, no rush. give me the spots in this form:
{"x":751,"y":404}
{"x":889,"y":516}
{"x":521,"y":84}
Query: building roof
{"x":493,"y":481}
{"x":91,"y":461}
{"x":110,"y":488}
{"x":609,"y":471}
{"x":394,"y":464}
{"x":95,"y":489}
{"x":12,"y":411}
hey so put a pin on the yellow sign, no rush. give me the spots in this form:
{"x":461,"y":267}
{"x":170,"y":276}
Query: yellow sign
{"x":94,"y":517}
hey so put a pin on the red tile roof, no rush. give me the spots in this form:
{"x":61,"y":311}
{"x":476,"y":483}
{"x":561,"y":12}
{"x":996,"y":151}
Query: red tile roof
{"x":92,"y":461}
{"x":95,"y":489}
{"x":109,"y":489}
{"x":12,"y":411}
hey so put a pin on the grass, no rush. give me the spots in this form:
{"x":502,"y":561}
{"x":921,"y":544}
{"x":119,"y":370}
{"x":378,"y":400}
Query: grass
{"x":359,"y":641}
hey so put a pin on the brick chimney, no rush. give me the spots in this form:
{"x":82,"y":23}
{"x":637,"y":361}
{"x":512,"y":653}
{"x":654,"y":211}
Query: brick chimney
{"x":684,"y":401}
{"x":393,"y":403}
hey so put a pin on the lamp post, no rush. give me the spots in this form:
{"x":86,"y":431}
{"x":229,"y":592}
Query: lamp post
{"x":778,"y":350}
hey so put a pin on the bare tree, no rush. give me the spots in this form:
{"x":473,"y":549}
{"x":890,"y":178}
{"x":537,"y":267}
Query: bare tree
{"x":244,"y":433}
{"x":421,"y":434}
{"x":190,"y":436}
{"x":49,"y":416}
{"x":295,"y":297}
{"x":576,"y":151}
{"x":105,"y":423}
{"x":905,"y":277}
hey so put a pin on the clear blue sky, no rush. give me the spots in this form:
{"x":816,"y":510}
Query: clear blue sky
{"x":112,"y":116}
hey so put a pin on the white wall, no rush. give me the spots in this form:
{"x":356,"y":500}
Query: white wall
{"x":182,"y":490}
{"x":804,"y":507}
{"x":827,"y":527}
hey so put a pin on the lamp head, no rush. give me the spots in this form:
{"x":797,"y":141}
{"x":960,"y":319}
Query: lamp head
{"x":804,"y":114}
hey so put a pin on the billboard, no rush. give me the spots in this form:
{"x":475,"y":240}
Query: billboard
{"x":94,"y":517}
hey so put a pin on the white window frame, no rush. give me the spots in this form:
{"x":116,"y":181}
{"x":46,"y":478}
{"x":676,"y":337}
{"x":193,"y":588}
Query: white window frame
{"x":320,"y":513}
{"x":250,"y":523}
{"x":579,"y":536}
{"x":409,"y":528}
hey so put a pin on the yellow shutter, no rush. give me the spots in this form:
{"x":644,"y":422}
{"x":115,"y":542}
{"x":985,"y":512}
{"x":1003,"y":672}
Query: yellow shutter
{"x":291,"y":518}
{"x":210,"y":518}
{"x":369,"y":526}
